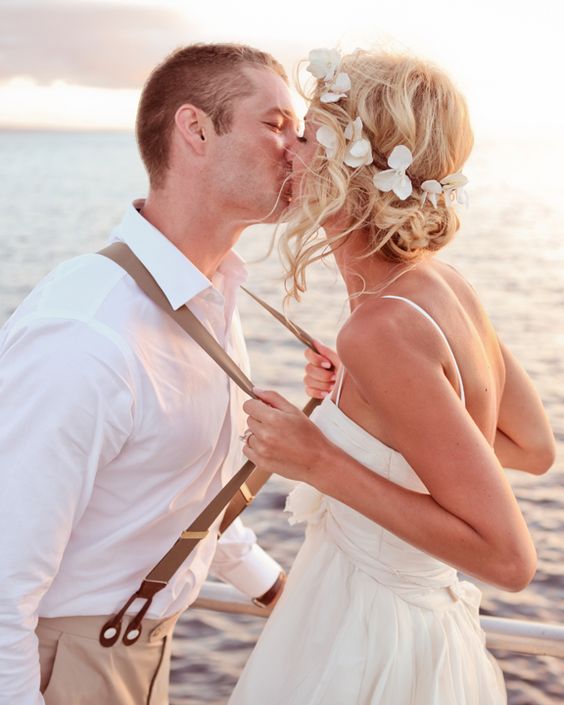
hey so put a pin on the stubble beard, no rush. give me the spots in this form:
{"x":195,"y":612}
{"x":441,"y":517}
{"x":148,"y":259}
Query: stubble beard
{"x":279,"y":201}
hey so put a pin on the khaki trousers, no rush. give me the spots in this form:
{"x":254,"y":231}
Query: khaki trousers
{"x":77,"y":670}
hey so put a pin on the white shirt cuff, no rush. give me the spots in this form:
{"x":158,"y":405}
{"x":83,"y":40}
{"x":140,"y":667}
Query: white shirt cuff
{"x":254,"y":574}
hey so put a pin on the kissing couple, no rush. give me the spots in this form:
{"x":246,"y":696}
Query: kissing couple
{"x":119,"y":428}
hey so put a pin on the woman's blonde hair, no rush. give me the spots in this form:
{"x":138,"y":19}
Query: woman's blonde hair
{"x":400,"y":100}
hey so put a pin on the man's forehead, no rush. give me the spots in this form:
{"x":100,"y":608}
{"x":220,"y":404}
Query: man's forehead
{"x":271,"y":92}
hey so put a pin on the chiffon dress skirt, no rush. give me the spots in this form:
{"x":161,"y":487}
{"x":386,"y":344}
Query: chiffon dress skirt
{"x":366,"y":618}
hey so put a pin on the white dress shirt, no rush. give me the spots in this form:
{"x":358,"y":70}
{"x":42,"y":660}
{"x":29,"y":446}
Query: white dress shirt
{"x":116,"y":429}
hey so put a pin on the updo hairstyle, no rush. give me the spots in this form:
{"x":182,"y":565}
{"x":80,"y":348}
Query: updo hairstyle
{"x":401,"y":100}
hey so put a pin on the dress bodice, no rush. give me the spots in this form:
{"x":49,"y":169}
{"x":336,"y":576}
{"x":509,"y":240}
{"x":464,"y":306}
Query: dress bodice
{"x":373,"y":549}
{"x":376,"y":551}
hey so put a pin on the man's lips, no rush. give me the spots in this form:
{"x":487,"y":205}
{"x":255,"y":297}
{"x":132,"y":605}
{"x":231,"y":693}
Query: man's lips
{"x":286,"y":184}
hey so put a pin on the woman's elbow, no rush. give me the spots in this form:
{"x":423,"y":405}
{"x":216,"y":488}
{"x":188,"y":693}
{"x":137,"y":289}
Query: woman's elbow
{"x":543,"y":457}
{"x":518,"y":572}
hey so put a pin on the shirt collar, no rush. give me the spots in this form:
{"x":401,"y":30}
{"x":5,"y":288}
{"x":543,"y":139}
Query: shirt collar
{"x":177,"y":276}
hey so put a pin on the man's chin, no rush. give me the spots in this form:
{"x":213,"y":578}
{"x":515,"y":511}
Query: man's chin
{"x":278,"y":210}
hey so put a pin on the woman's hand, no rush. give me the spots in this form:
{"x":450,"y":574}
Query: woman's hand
{"x":283,"y":440}
{"x":321,"y":370}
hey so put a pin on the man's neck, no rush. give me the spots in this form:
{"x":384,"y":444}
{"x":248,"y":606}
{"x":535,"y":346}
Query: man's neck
{"x":199,"y":234}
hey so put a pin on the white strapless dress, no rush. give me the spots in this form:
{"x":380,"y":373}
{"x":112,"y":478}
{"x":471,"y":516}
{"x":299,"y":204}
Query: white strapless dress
{"x":367,"y":619}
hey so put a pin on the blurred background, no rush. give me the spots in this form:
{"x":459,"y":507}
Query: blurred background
{"x":70,"y":77}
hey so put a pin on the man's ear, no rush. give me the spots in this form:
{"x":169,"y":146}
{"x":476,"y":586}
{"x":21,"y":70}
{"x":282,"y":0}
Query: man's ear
{"x":194,"y":127}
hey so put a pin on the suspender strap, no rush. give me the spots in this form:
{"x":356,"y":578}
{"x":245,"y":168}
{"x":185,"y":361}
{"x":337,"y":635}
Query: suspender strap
{"x":120,"y":253}
{"x":259,"y":477}
{"x":238,"y":493}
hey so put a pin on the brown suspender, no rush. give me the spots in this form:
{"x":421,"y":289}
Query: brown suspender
{"x":249,"y":490}
{"x":237,"y":494}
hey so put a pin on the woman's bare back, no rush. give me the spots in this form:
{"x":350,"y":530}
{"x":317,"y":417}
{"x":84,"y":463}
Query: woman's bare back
{"x":444,"y":294}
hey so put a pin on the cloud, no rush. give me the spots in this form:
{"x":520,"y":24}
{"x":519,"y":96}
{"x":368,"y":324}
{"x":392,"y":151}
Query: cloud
{"x":87,"y":43}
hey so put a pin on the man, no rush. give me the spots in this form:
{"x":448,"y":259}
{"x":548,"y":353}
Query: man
{"x":117,"y":428}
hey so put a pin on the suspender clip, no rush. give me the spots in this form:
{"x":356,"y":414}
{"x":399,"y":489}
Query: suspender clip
{"x":111,"y":630}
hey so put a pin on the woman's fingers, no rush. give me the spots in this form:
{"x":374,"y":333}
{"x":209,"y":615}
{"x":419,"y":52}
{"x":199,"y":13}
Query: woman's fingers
{"x":328,"y":353}
{"x":317,"y":374}
{"x":318,"y":382}
{"x":257,"y":409}
{"x":317,"y":360}
{"x":267,"y":407}
{"x":273,"y":399}
{"x":321,"y":370}
{"x":250,"y":454}
{"x":316,"y":393}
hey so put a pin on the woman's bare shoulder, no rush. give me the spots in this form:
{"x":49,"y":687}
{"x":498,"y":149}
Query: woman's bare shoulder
{"x":379,"y":331}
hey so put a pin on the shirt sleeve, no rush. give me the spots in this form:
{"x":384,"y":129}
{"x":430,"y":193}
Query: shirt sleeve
{"x":66,"y":409}
{"x":240,"y":561}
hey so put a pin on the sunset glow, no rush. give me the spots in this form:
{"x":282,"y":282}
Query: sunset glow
{"x":81,"y":64}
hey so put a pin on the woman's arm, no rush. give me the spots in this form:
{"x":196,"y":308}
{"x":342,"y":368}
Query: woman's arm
{"x":470,"y":519}
{"x":524,"y":439}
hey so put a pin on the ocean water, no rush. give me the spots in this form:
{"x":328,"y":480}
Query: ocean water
{"x":60,"y":195}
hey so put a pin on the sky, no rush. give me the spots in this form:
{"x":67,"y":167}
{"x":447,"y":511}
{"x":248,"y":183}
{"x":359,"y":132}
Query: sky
{"x":81,"y":63}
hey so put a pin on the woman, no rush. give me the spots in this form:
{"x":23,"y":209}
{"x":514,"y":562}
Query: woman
{"x":403,"y":464}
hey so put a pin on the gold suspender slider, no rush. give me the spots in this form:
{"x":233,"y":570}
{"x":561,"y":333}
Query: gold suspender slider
{"x":248,"y":496}
{"x":194,"y":534}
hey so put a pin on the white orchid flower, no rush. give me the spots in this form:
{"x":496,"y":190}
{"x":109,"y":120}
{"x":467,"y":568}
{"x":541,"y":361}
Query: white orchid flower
{"x":329,"y":139}
{"x":359,"y":151}
{"x":323,"y":63}
{"x":337,"y":90}
{"x":353,"y":131}
{"x":457,"y":180}
{"x":432,"y":190}
{"x":395,"y":179}
{"x":453,"y":188}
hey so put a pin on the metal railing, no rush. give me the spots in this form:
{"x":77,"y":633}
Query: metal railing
{"x":515,"y":635}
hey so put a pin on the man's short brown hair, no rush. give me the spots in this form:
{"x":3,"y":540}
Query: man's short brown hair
{"x":210,"y":77}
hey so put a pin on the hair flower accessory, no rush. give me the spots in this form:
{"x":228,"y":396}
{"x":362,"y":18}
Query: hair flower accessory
{"x":337,"y":89}
{"x":328,"y":138}
{"x":395,"y":179}
{"x":453,"y":188}
{"x":359,"y":151}
{"x":432,"y":190}
{"x":324,"y":64}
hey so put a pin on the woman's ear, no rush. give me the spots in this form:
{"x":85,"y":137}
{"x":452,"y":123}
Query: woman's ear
{"x":193,"y":126}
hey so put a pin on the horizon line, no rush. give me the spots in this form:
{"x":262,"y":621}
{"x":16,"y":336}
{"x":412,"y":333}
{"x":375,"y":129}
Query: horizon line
{"x":64,"y":128}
